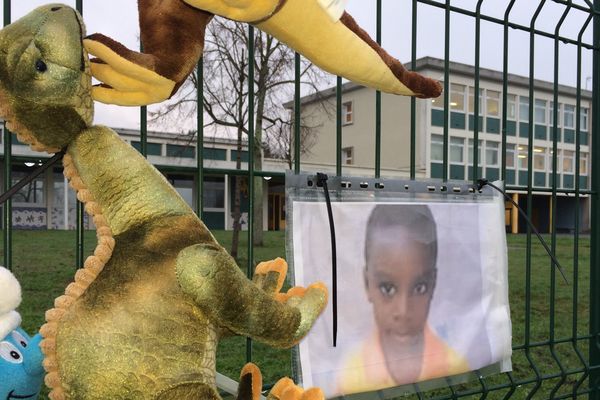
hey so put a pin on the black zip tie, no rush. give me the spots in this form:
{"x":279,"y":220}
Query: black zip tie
{"x":322,"y":181}
{"x":483,"y":182}
{"x":19,"y":185}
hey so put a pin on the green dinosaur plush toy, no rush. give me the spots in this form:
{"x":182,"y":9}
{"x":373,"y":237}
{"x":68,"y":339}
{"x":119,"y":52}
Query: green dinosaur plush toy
{"x":143,"y":317}
{"x":172,"y":34}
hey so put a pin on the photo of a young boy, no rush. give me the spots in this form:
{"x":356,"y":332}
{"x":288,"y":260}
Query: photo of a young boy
{"x":421,"y":294}
{"x":400,"y":277}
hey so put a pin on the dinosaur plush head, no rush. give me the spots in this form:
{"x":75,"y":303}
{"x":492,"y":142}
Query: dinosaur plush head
{"x":44,"y":77}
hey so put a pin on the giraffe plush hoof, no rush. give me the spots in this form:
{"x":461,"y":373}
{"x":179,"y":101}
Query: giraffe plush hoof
{"x":286,"y":389}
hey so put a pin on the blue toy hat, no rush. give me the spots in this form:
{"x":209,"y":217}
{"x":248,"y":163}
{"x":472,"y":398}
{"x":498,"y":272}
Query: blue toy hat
{"x":10,"y":298}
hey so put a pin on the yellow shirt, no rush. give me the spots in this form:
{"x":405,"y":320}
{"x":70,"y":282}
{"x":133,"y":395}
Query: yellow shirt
{"x":366,"y":370}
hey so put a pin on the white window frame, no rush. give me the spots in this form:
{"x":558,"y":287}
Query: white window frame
{"x":454,"y":143}
{"x":348,"y":113}
{"x":569,"y":109}
{"x":540,"y":104}
{"x":492,"y":150}
{"x":348,"y":155}
{"x":458,"y":90}
{"x":437,"y":142}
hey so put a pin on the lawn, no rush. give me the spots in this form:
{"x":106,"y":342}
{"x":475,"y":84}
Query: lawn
{"x":44,"y":263}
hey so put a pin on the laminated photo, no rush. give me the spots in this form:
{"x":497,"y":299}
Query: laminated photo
{"x":421,"y":287}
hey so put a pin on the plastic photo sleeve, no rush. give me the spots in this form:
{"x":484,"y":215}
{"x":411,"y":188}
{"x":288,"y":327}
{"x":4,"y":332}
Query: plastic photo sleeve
{"x":422,"y":289}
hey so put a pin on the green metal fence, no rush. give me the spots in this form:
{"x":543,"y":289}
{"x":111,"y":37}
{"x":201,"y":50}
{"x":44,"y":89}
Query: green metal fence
{"x":549,"y":362}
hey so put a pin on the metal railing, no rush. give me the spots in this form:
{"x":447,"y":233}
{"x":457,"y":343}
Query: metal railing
{"x":574,"y":372}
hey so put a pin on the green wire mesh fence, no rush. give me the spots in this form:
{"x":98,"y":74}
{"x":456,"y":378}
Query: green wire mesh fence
{"x":556,"y":351}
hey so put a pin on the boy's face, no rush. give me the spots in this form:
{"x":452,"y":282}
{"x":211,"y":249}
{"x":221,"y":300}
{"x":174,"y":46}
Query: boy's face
{"x":400,"y":278}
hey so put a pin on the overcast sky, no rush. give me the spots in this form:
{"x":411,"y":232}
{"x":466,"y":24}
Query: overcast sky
{"x":118,"y":19}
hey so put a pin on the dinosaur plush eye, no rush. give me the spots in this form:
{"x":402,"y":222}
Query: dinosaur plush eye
{"x":10,"y":353}
{"x":41,"y":66}
{"x":19,"y":339}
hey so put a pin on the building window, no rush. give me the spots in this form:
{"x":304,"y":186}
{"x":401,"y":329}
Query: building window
{"x":569,"y":116}
{"x":348,"y":155}
{"x":540,"y":111}
{"x":567,"y":161}
{"x":457,"y":147}
{"x":583,"y":119}
{"x":523,"y":109}
{"x":457,"y":97}
{"x":491,"y":154}
{"x":551,"y":115}
{"x":243,"y":156}
{"x":539,"y":158}
{"x":511,"y":112}
{"x":211,"y":153}
{"x":32,"y":193}
{"x":480,"y":162}
{"x":510,"y":155}
{"x":583,"y":163}
{"x":523,"y":157}
{"x":153,"y":149}
{"x":437,"y":148}
{"x":438,"y":102}
{"x":472,"y":101}
{"x":347,"y":113}
{"x":177,"y":150}
{"x":213,"y":193}
{"x":493,"y":103}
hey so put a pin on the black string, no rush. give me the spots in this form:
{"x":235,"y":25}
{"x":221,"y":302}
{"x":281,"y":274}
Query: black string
{"x":322,"y":181}
{"x":19,"y":185}
{"x":483,"y":182}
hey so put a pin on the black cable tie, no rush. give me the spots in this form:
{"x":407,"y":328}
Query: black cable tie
{"x":322,"y":181}
{"x":19,"y":185}
{"x":483,"y":182}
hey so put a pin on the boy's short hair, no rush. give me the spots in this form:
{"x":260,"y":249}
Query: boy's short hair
{"x":415,"y":219}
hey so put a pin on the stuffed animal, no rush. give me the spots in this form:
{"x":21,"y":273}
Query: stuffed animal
{"x":172,"y":34}
{"x":143,"y":317}
{"x":21,"y":371}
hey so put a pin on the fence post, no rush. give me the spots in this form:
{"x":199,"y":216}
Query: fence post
{"x":595,"y":218}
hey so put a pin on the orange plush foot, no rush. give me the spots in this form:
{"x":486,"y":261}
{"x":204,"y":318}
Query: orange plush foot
{"x":270,"y":275}
{"x":286,"y":389}
{"x":250,"y":386}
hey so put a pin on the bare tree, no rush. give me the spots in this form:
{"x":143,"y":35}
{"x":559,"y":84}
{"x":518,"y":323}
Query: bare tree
{"x":226,"y":102}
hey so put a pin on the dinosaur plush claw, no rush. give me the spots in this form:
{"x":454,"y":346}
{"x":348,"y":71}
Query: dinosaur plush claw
{"x":270,"y":275}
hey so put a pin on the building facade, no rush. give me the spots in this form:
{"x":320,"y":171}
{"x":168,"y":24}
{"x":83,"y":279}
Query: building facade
{"x":358,"y":138}
{"x":48,"y":202}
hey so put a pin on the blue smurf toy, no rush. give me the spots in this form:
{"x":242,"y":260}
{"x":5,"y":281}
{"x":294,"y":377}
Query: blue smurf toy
{"x":21,"y":371}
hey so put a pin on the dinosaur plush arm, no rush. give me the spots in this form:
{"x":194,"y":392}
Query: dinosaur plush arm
{"x":172,"y":35}
{"x":210,"y":276}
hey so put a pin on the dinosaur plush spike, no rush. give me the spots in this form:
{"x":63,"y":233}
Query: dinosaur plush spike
{"x":142,"y":319}
{"x":173,"y":38}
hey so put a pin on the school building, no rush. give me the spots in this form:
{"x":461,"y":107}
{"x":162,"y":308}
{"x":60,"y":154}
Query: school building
{"x":358,"y":138}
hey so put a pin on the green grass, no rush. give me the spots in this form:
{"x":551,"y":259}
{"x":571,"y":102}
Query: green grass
{"x":43,"y":261}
